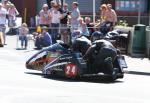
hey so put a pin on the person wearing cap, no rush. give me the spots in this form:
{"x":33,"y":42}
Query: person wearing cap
{"x":23,"y":32}
{"x":44,"y":39}
{"x":44,"y":16}
{"x":3,"y":14}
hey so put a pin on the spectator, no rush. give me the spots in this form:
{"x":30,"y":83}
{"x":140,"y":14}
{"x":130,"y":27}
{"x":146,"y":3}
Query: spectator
{"x":43,"y":39}
{"x":5,"y":4}
{"x":105,"y":24}
{"x":74,"y":17}
{"x":3,"y":14}
{"x":44,"y":16}
{"x":12,"y":13}
{"x":83,"y":28}
{"x":56,"y":16}
{"x":111,"y":15}
{"x":63,"y":23}
{"x":89,"y":25}
{"x":52,"y":3}
{"x":103,"y":10}
{"x":23,"y":31}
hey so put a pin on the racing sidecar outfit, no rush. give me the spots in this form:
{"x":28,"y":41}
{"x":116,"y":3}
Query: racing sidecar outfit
{"x":58,"y":60}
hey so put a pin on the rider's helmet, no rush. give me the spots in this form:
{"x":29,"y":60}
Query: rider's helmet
{"x":81,"y":44}
{"x":97,"y":35}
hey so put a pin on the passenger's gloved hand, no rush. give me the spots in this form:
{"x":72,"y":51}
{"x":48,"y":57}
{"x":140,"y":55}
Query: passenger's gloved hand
{"x":108,"y":60}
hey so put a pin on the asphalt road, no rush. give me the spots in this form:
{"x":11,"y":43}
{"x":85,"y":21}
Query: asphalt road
{"x":20,"y":85}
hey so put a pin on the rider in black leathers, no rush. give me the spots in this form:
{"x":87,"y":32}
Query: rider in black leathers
{"x":100,"y":57}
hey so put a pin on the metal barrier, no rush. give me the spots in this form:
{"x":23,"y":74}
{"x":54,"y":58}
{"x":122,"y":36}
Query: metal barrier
{"x":120,"y":42}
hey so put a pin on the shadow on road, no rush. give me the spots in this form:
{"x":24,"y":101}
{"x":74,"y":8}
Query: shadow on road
{"x":21,"y":49}
{"x":93,"y":79}
{"x":138,"y":73}
{"x":33,"y":73}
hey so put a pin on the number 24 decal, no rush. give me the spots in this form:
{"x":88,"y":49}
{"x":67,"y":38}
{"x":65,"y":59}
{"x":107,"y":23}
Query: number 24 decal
{"x":71,"y":70}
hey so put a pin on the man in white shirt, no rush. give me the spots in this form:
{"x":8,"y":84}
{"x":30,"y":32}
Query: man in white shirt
{"x":3,"y":13}
{"x":56,"y":16}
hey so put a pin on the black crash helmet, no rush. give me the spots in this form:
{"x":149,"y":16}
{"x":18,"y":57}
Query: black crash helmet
{"x":81,"y":44}
{"x":97,"y":35}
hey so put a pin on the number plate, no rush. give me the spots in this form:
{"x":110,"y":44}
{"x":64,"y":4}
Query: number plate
{"x":71,"y":70}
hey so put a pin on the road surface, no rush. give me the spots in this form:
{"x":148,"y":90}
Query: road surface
{"x":20,"y":85}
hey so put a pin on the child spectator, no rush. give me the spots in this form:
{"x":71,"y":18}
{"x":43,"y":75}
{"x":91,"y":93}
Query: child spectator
{"x":23,"y":31}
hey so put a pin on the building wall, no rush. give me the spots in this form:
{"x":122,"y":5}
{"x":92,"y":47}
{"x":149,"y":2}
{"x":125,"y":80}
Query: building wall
{"x":85,"y":6}
{"x":40,"y":4}
{"x":109,"y":2}
{"x":18,"y":5}
{"x":26,"y":8}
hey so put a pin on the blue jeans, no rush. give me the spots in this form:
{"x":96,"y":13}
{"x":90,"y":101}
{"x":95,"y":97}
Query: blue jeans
{"x":54,"y":31}
{"x":24,"y":41}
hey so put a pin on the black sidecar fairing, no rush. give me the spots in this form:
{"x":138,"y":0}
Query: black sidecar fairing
{"x":68,"y":65}
{"x":46,"y":55}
